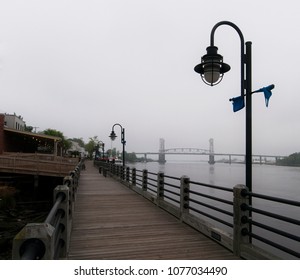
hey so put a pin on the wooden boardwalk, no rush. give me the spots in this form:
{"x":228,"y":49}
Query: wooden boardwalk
{"x":113,"y":222}
{"x":36,"y":164}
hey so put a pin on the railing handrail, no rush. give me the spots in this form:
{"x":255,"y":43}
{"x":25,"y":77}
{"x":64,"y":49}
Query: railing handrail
{"x":211,"y":186}
{"x":30,"y":164}
{"x":274,"y":199}
{"x":59,"y":199}
{"x":63,"y":161}
{"x":50,"y":239}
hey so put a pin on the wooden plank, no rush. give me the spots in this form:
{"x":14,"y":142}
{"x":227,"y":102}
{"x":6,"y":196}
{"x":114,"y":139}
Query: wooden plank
{"x":113,"y":222}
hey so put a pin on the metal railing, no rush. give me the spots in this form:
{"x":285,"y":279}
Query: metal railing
{"x":260,"y":219}
{"x":223,"y":214}
{"x":50,"y":239}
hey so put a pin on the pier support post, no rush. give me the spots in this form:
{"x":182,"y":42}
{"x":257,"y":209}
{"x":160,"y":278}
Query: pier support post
{"x":162,"y":158}
{"x":36,"y":181}
{"x":36,"y":185}
{"x":211,"y":159}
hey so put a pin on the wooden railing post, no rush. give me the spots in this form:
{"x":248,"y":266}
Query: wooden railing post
{"x":145,"y":180}
{"x":160,"y":186}
{"x":240,"y":219}
{"x":184,"y":196}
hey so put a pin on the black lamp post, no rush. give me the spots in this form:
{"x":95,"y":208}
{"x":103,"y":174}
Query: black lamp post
{"x":212,"y":69}
{"x":113,"y":137}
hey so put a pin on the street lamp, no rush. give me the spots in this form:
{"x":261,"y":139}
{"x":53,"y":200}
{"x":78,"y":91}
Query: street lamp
{"x":113,"y":137}
{"x":212,"y":69}
{"x":102,"y":146}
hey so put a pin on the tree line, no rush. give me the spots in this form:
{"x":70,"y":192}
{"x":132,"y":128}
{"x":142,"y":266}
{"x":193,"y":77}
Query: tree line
{"x":93,"y":147}
{"x":291,"y":160}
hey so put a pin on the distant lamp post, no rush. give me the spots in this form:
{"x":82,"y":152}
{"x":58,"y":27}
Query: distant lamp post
{"x":113,"y":137}
{"x":102,"y":146}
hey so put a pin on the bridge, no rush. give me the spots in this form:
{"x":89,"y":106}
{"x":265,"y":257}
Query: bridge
{"x":259,"y":158}
{"x":211,"y":156}
{"x":111,"y":212}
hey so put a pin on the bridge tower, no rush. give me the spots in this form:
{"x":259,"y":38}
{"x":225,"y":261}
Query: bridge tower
{"x":211,"y":151}
{"x":161,"y":155}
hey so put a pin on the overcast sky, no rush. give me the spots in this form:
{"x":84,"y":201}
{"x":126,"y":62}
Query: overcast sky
{"x":80,"y":66}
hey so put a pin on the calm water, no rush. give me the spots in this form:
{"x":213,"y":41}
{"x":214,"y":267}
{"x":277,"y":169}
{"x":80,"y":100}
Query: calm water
{"x":277,"y":181}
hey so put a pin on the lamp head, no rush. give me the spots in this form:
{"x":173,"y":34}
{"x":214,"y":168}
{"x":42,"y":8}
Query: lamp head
{"x":212,"y":67}
{"x":112,"y":135}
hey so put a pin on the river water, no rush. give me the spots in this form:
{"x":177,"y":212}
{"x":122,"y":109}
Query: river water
{"x":276,"y":181}
{"x":279,"y":181}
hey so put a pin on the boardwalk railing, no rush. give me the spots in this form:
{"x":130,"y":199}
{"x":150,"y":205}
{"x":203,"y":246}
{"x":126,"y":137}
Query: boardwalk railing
{"x":223,"y":214}
{"x":50,"y":239}
{"x":39,"y":164}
